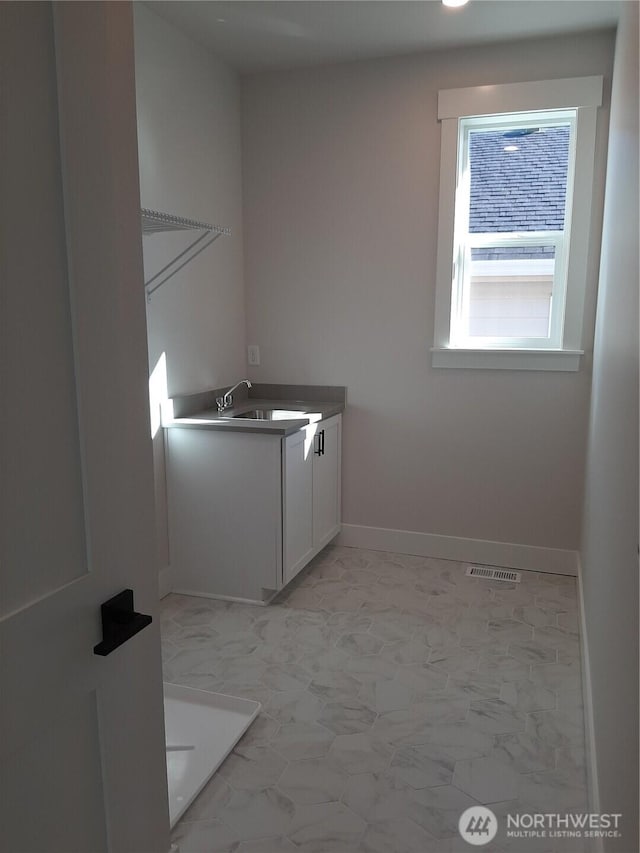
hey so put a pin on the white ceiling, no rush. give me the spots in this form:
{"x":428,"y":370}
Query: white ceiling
{"x":253,"y":36}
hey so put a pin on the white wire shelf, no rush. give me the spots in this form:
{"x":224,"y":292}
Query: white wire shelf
{"x":155,"y":222}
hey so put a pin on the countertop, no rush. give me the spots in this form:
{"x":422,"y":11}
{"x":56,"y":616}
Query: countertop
{"x":312,"y":409}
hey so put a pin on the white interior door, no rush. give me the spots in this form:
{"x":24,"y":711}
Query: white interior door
{"x":82,"y":736}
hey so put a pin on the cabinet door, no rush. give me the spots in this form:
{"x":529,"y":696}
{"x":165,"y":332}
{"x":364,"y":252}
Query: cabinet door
{"x":297,"y":502}
{"x":326,"y":482}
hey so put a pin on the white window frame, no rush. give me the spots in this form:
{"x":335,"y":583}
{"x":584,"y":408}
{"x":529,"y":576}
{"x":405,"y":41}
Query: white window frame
{"x":456,"y":110}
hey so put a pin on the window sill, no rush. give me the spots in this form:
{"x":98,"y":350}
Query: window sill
{"x":507,"y":359}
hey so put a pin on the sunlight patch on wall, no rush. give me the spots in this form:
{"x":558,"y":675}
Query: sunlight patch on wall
{"x":160,"y":406}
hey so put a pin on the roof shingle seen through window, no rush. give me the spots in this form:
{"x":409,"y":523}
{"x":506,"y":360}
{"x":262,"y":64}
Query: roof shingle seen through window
{"x":521,"y":190}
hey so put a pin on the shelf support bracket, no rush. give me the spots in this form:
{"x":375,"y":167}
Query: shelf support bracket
{"x":154,"y":222}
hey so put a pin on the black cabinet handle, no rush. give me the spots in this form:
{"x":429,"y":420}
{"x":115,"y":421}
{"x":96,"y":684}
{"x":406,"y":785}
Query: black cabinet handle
{"x":120,"y":622}
{"x":318,"y":448}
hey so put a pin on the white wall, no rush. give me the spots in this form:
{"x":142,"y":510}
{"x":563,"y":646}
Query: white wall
{"x":341,"y":170}
{"x":190,"y":164}
{"x":610,"y":536}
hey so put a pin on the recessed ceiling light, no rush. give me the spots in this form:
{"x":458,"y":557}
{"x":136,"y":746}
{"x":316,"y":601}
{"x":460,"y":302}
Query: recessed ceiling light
{"x":511,"y":148}
{"x":453,"y":4}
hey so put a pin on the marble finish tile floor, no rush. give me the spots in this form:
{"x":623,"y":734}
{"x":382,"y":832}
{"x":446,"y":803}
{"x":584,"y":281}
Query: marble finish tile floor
{"x":396,"y":693}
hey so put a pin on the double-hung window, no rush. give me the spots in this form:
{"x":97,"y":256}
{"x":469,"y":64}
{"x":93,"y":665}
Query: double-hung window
{"x":515,"y":200}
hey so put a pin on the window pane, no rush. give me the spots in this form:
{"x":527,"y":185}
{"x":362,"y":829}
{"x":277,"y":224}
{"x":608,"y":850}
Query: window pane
{"x":510,"y":291}
{"x":518,"y":179}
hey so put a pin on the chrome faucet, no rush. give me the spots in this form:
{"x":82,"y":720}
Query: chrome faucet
{"x":227,"y":400}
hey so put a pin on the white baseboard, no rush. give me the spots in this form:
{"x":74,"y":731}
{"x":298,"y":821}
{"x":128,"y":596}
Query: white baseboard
{"x":504,"y":554}
{"x":165,"y":581}
{"x":593,"y":792}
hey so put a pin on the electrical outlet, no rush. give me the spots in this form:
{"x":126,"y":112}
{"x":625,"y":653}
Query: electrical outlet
{"x":253,"y":354}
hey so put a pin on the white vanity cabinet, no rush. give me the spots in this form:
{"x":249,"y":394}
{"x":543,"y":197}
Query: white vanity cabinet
{"x":247,"y":511}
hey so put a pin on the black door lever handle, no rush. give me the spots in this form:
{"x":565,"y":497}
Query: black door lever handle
{"x":120,"y":622}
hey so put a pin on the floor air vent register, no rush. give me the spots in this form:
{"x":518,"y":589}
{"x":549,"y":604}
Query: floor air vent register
{"x":493,"y":574}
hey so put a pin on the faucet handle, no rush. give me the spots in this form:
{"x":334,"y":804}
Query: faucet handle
{"x":220,"y":403}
